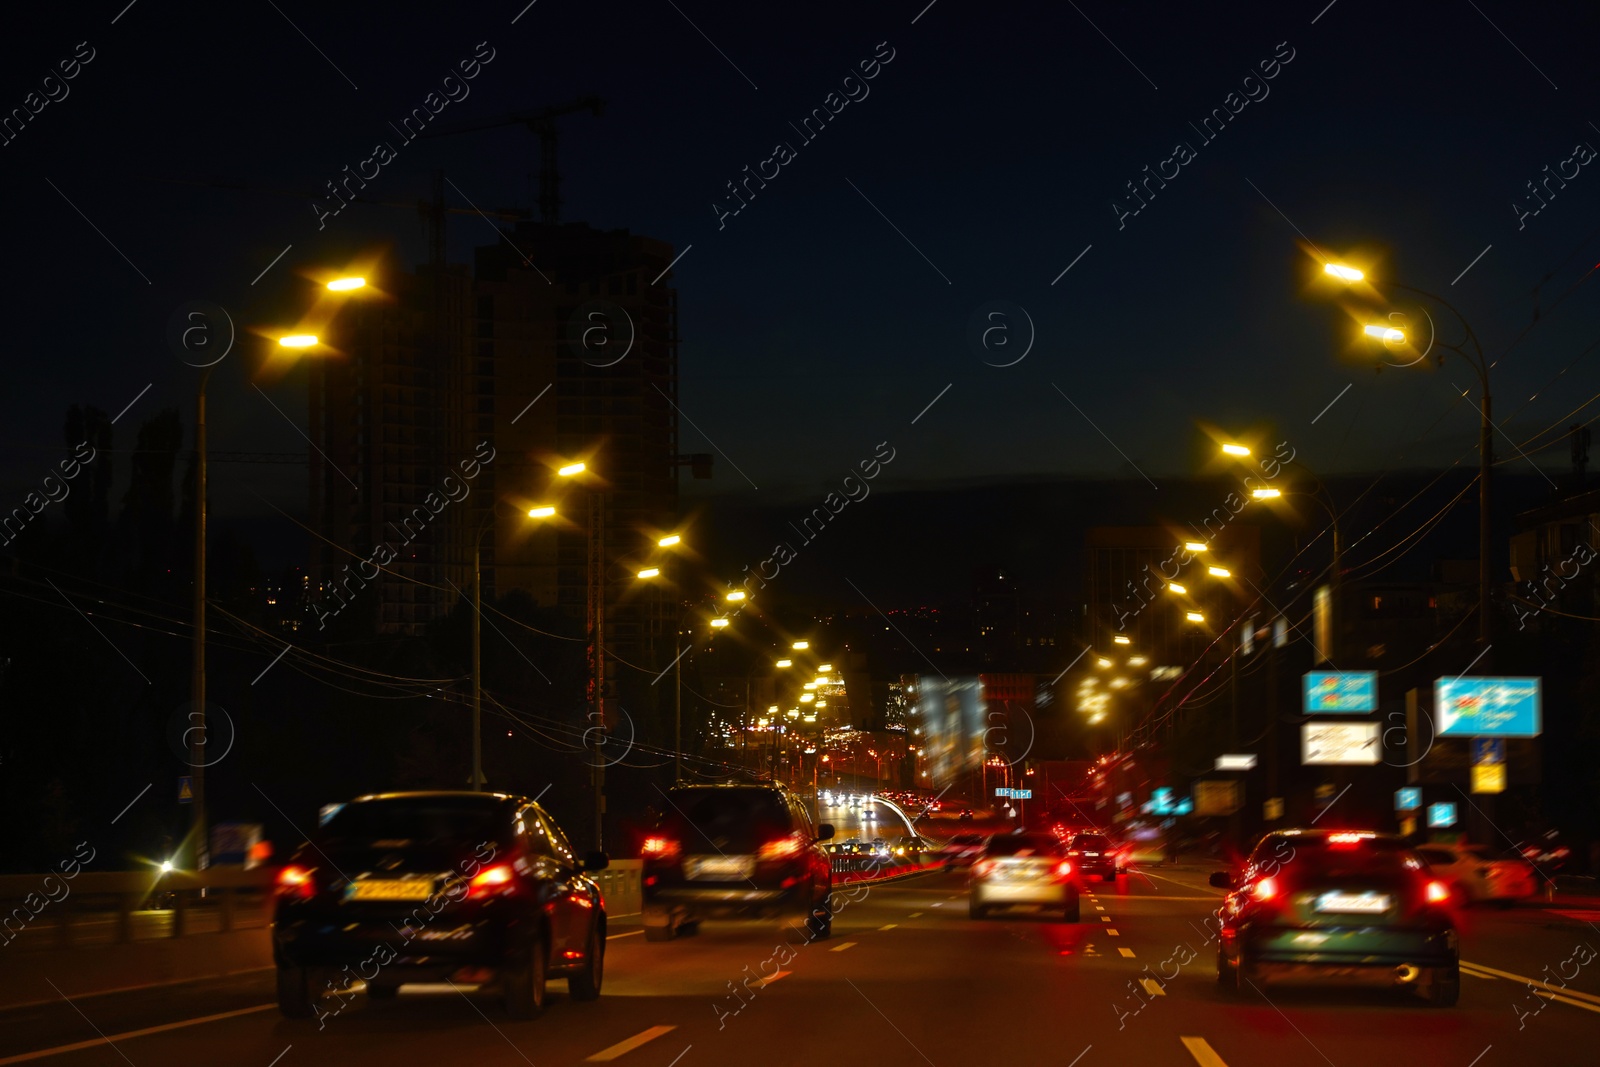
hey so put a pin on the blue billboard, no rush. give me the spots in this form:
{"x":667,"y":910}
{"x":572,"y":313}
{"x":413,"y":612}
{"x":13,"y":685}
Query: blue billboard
{"x":1487,"y":707}
{"x":1341,"y":691}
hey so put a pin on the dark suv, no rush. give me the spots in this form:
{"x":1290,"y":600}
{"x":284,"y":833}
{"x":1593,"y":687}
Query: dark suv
{"x":1093,"y":854}
{"x":724,"y":850}
{"x":425,"y":887}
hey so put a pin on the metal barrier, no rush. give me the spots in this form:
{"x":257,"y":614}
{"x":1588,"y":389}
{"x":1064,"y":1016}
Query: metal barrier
{"x":219,"y":897}
{"x":622,"y":884}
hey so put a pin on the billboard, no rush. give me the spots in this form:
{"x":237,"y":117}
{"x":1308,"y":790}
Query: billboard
{"x":951,"y":713}
{"x":1341,"y":691}
{"x":1218,"y":797}
{"x":1339,"y":743}
{"x":1487,"y":707}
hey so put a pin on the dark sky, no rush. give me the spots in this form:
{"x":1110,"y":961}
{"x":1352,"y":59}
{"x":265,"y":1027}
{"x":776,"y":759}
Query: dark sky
{"x":995,"y":142}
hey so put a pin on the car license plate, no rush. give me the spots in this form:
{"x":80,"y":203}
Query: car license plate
{"x":1091,"y":853}
{"x":1336,"y":903}
{"x":391,"y":889}
{"x":719,"y":867}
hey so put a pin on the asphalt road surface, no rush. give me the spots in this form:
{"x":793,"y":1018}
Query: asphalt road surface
{"x":907,"y":979}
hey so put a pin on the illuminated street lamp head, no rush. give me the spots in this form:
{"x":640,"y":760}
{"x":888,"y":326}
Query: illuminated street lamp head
{"x":1195,"y":546}
{"x":826,"y":668}
{"x":772,"y":709}
{"x":717,"y":624}
{"x":544,"y":511}
{"x":1384,"y":333}
{"x":1122,"y":639}
{"x":1119,"y":683}
{"x":800,"y":646}
{"x":1342,"y":272}
{"x":785,"y":663}
{"x":1176,"y":588}
{"x":1266,"y":494}
{"x":1102,"y":662}
{"x":572,"y":468}
{"x":668,"y":542}
{"x":1194,"y":616}
{"x":298,"y":340}
{"x":809,"y":685}
{"x":650,"y":572}
{"x":737,"y":594}
{"x":1219,"y":572}
{"x":1235,"y":450}
{"x":806,"y":698}
{"x":1137,"y":661}
{"x":344,"y":285}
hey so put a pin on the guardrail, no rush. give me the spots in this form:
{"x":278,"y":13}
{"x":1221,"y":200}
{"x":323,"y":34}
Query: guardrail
{"x":621,"y":883}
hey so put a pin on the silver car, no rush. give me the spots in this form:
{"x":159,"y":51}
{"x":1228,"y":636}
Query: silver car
{"x":1030,"y":870}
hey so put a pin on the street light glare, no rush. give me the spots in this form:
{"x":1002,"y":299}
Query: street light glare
{"x":1177,"y":588}
{"x":826,"y":668}
{"x":1196,"y":546}
{"x":1235,"y":450}
{"x":572,"y":468}
{"x":344,"y":285}
{"x":650,"y":572}
{"x":1122,"y":639}
{"x":1219,"y":572}
{"x":298,"y":340}
{"x":806,"y":698}
{"x":1102,"y":662}
{"x":800,"y":646}
{"x":785,"y":663}
{"x":1384,"y":333}
{"x":1137,"y":661}
{"x":544,"y":511}
{"x":1266,"y":494}
{"x":668,"y":542}
{"x":1194,"y":616}
{"x":717,"y":624}
{"x":1342,"y":272}
{"x":737,"y":594}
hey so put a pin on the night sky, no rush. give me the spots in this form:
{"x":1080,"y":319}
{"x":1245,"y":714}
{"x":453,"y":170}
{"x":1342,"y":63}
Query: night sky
{"x":987,"y":154}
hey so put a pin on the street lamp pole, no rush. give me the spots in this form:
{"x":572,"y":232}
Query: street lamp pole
{"x":198,"y":829}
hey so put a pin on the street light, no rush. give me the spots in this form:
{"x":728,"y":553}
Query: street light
{"x":650,"y":572}
{"x":298,"y":340}
{"x":718,"y":623}
{"x":736,"y":595}
{"x":344,"y":285}
{"x":1196,"y":546}
{"x":571,"y":469}
{"x":784,"y":663}
{"x":543,"y":512}
{"x":1102,"y":662}
{"x":1235,"y":450}
{"x":800,"y":646}
{"x":1219,"y":572}
{"x":1266,"y":494}
{"x":1177,"y":588}
{"x":1342,"y":272}
{"x":669,"y":541}
{"x":1384,"y":333}
{"x":1194,"y":616}
{"x":1122,"y":639}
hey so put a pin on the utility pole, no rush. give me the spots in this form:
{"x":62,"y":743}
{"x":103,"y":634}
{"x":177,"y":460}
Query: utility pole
{"x":198,"y":828}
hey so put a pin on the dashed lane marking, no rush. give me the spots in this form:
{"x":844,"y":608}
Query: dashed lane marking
{"x":1153,"y":987}
{"x":891,"y":926}
{"x":1203,"y":1053}
{"x":1112,"y":932}
{"x":1128,"y":952}
{"x":163,"y":1028}
{"x":625,"y":933}
{"x":841,"y":948}
{"x":622,"y":1048}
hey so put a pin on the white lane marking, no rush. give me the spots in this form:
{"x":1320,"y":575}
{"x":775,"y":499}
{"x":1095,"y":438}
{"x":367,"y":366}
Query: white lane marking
{"x":1105,"y":918}
{"x":841,"y":948}
{"x":1203,"y":1053}
{"x":916,"y":915}
{"x":891,"y":926}
{"x":1128,"y":952}
{"x":164,"y":1027}
{"x":1097,"y":907}
{"x":1590,"y":1000}
{"x":1112,"y":932}
{"x":622,"y":1048}
{"x":625,"y":933}
{"x":768,"y":981}
{"x":1153,"y":987}
{"x":937,"y":904}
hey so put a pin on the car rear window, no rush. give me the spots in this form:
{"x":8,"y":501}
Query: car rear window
{"x":1315,"y":857}
{"x":1090,"y":841}
{"x":419,"y":820}
{"x":1023,"y":845}
{"x":728,"y":820}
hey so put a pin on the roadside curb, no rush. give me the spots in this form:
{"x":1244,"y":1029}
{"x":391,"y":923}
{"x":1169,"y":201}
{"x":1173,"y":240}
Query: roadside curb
{"x":888,"y":878}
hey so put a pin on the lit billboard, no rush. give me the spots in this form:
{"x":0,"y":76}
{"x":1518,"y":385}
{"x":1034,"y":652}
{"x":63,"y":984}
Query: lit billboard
{"x":1341,"y":691}
{"x":950,"y":713}
{"x":1487,"y":707}
{"x":1339,"y":743}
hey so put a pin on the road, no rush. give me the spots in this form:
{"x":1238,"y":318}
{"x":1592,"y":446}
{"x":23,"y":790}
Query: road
{"x":907,"y":978}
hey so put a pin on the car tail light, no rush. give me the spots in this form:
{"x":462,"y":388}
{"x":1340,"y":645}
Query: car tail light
{"x":296,"y":882}
{"x":1063,"y":868}
{"x":1346,"y":840}
{"x":491,"y":880}
{"x":661,"y":848}
{"x":1437,"y":893}
{"x":781,"y":849}
{"x":1072,"y":852}
{"x":1265,"y":889}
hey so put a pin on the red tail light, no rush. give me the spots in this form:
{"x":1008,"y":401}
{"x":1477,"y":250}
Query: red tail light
{"x":1265,"y":889}
{"x":1064,"y":868}
{"x":1072,"y":852}
{"x":781,"y":849}
{"x":661,"y":848}
{"x":491,"y":880}
{"x":1347,"y":840}
{"x":1438,"y":893}
{"x":296,"y":882}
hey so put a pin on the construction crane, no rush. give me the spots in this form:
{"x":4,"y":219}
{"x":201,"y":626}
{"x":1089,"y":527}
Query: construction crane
{"x":542,"y":123}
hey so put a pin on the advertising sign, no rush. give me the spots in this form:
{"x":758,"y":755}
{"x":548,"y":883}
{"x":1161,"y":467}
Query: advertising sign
{"x":1341,"y":691}
{"x":1487,"y":707}
{"x":1441,"y":816}
{"x":1407,"y":799}
{"x":1488,"y":750}
{"x":1346,"y":743}
{"x":1240,"y":762}
{"x":1488,"y":777}
{"x":1222,"y":797}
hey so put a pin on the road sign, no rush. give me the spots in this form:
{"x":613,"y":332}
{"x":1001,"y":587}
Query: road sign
{"x":1488,"y":750}
{"x":1487,"y":707}
{"x":1341,"y":691}
{"x":1407,"y":799}
{"x":1488,"y":777}
{"x":1348,"y":743}
{"x":1236,"y":762}
{"x":1015,"y":794}
{"x":1441,"y":816}
{"x":186,"y":789}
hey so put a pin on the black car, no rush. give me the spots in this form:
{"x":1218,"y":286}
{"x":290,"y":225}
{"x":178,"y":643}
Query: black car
{"x":1338,"y":904}
{"x":1093,"y":854}
{"x":735,"y":850}
{"x":429,"y":887}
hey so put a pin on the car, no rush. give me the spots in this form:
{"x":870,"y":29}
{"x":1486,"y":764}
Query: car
{"x":1093,"y":854}
{"x":1337,"y":904}
{"x":1473,"y":876}
{"x":912,"y":849}
{"x":966,"y":813}
{"x":735,"y":850}
{"x":435,"y":887}
{"x":961,"y":851}
{"x":1023,"y":869}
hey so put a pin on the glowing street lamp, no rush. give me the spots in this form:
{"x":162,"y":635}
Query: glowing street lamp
{"x":800,"y":646}
{"x":736,"y":595}
{"x":1219,"y":572}
{"x":1176,"y":588}
{"x":717,"y":624}
{"x":1235,"y":450}
{"x":806,"y":698}
{"x":1384,"y":333}
{"x":344,"y":285}
{"x":298,"y":340}
{"x":1266,"y":494}
{"x":1342,"y":272}
{"x":785,"y":663}
{"x":1137,"y":661}
{"x":544,"y":511}
{"x":570,"y":469}
{"x":1196,"y":546}
{"x":826,"y":668}
{"x":650,"y":572}
{"x":1194,"y":616}
{"x":1102,"y":662}
{"x":1122,"y":639}
{"x":669,"y":541}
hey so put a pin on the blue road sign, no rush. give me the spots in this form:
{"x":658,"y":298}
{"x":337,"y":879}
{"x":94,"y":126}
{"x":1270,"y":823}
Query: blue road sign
{"x":1488,"y":750}
{"x":1487,"y":707}
{"x":1407,"y":799}
{"x":1441,"y":816}
{"x":1341,"y":691}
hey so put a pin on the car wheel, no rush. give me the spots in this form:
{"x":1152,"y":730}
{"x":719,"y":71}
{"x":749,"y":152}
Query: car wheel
{"x":585,"y":984}
{"x":383,"y":990}
{"x":1230,"y":974}
{"x":1444,"y":986}
{"x":295,"y":997}
{"x":976,"y":910}
{"x":819,"y":924}
{"x":525,"y":983}
{"x":1072,"y":912}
